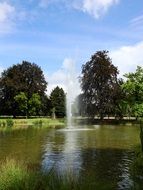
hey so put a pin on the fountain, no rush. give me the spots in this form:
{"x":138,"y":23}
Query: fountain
{"x":72,"y":88}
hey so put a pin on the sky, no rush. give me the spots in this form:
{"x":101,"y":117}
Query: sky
{"x":56,"y":34}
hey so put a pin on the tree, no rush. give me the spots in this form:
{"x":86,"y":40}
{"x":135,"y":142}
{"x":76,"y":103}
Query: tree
{"x":100,"y":85}
{"x":46,"y":105}
{"x":133,"y":88}
{"x":25,"y":77}
{"x":58,"y":101}
{"x":78,"y":106}
{"x":34,"y":104}
{"x":22,"y":103}
{"x":29,"y":107}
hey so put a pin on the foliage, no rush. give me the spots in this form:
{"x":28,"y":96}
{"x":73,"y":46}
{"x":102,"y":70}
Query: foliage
{"x":34,"y":104}
{"x":133,"y":88}
{"x":78,"y":106}
{"x":137,"y":165}
{"x":9,"y":122}
{"x":2,"y":123}
{"x":58,"y":101}
{"x":100,"y":85}
{"x":28,"y":107}
{"x":38,"y":123}
{"x":46,"y":106}
{"x":22,"y":103}
{"x":27,"y":78}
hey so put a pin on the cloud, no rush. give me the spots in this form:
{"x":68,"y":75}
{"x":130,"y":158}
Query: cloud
{"x":7,"y":13}
{"x":137,"y":20}
{"x":137,"y":24}
{"x":58,"y":78}
{"x":66,"y":77}
{"x":128,"y":57}
{"x":95,"y":8}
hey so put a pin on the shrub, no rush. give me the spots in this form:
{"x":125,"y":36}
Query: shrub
{"x":2,"y":124}
{"x":9,"y":123}
{"x":38,"y":123}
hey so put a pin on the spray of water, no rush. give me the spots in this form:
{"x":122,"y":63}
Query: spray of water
{"x":72,"y":85}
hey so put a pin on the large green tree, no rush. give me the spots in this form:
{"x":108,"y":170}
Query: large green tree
{"x":25,"y":77}
{"x":133,"y":88}
{"x":22,"y":103}
{"x":58,"y":100}
{"x":100,"y":85}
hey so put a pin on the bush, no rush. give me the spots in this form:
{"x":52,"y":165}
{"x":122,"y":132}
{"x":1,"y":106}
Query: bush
{"x":2,"y":124}
{"x":9,"y":123}
{"x":38,"y":123}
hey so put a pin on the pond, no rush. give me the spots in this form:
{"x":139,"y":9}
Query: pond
{"x":99,"y":154}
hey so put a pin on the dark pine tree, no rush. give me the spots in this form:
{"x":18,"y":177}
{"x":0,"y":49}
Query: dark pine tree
{"x":58,"y":101}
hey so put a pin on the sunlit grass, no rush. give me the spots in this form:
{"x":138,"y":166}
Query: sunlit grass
{"x":12,"y":176}
{"x":17,"y":176}
{"x":32,"y":122}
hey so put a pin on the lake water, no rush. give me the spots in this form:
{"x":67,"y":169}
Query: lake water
{"x":101,"y":154}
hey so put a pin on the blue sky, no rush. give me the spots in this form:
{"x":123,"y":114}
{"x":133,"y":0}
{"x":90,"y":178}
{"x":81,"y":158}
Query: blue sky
{"x":57,"y":33}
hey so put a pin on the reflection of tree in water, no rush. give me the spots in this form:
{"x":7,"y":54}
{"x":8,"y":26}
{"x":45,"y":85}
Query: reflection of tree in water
{"x":109,"y":166}
{"x":93,"y":157}
{"x":23,"y":145}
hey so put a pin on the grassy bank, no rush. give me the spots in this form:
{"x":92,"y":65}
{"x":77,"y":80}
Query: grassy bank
{"x":32,"y":122}
{"x":138,"y":163}
{"x":16,"y":176}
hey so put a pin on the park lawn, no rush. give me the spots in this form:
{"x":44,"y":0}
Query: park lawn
{"x":31,"y":122}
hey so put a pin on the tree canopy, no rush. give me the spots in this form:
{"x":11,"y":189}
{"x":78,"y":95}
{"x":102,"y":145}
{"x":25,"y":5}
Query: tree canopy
{"x":133,"y":88}
{"x":100,"y":85}
{"x":58,"y":101}
{"x":25,"y":77}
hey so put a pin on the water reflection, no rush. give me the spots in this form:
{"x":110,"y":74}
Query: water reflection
{"x":101,"y":156}
{"x":65,"y":156}
{"x":98,"y":156}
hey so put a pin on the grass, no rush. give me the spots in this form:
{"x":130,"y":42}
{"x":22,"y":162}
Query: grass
{"x":16,"y":176}
{"x":33,"y":122}
{"x":138,"y":162}
{"x":137,"y":167}
{"x":13,"y":176}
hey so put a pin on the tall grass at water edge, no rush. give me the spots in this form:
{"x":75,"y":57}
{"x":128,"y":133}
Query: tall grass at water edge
{"x":17,"y":176}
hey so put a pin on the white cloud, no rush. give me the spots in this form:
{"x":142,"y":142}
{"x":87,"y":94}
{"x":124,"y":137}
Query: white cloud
{"x":7,"y":13}
{"x":128,"y":57}
{"x":66,"y":77}
{"x":136,"y":24}
{"x":137,"y":20}
{"x":58,"y":78}
{"x":95,"y":8}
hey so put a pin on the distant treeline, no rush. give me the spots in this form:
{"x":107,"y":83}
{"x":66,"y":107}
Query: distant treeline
{"x":23,"y":91}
